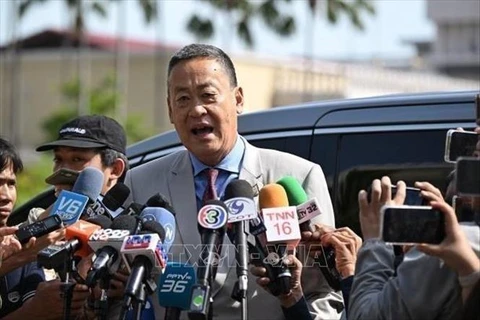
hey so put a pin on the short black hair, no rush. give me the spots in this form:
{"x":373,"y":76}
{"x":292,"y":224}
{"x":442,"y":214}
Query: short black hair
{"x":207,"y":51}
{"x":9,"y":156}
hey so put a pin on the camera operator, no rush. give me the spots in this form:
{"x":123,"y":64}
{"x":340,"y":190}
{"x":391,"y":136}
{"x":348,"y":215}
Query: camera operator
{"x":423,"y":287}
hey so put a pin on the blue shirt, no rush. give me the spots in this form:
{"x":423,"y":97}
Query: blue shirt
{"x":229,"y":169}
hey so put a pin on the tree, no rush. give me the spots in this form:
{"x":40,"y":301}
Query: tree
{"x":242,"y":12}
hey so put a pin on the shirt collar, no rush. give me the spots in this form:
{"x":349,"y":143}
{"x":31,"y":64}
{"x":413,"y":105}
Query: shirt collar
{"x":230,"y":163}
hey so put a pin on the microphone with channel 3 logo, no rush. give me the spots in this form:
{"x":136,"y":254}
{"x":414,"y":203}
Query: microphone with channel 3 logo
{"x":212,"y":223}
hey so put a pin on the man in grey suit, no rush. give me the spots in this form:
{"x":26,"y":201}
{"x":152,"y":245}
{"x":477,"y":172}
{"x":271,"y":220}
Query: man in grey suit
{"x":204,"y":101}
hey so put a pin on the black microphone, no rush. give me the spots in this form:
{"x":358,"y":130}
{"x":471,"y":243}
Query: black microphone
{"x":212,"y":222}
{"x":111,"y":202}
{"x":239,"y":199}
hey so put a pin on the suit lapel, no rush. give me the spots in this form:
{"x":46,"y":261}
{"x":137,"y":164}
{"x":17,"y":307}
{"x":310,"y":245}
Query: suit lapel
{"x":252,"y":168}
{"x":182,"y":193}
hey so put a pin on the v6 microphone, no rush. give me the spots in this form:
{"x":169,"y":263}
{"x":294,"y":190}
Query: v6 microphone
{"x":212,"y":222}
{"x":174,"y":289}
{"x":306,"y":210}
{"x":70,"y":205}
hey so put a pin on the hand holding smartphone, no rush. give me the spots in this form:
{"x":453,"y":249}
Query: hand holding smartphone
{"x":460,"y":144}
{"x":411,"y":225}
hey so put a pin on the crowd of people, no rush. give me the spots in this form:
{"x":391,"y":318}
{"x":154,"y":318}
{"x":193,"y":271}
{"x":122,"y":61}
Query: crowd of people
{"x":433,"y":281}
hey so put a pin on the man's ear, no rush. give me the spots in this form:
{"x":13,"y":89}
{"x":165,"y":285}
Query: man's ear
{"x":117,"y":168}
{"x":169,"y":110}
{"x":239,"y":99}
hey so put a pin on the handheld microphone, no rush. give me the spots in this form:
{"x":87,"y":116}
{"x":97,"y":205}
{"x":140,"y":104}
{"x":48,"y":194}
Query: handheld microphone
{"x":166,"y":219}
{"x":306,"y":210}
{"x":107,"y":244}
{"x":212,"y":222}
{"x":239,"y":200}
{"x":70,"y":205}
{"x":282,"y":227}
{"x":109,"y":204}
{"x":174,"y":288}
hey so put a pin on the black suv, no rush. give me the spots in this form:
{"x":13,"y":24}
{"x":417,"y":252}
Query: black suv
{"x":353,"y":140}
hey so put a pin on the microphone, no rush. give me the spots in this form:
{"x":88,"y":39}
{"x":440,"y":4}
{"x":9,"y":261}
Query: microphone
{"x":174,"y":288}
{"x":212,"y":222}
{"x":166,"y":219}
{"x":160,"y":201}
{"x":241,"y":208}
{"x":144,"y":256}
{"x":107,"y":244}
{"x":70,"y":205}
{"x":109,"y":204}
{"x":281,"y":222}
{"x":306,"y":210}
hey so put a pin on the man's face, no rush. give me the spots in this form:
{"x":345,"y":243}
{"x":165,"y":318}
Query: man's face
{"x":8,"y":193}
{"x":203,"y":107}
{"x":78,"y":159}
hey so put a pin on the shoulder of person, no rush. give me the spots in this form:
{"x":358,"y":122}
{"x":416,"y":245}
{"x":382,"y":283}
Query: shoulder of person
{"x":166,"y":161}
{"x":282,"y":159}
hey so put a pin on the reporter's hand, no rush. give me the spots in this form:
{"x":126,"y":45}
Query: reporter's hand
{"x":455,"y":249}
{"x":35,"y":245}
{"x":296,"y":293}
{"x":346,"y":244}
{"x":8,"y":247}
{"x":429,"y":192}
{"x":370,"y":211}
{"x":118,"y":284}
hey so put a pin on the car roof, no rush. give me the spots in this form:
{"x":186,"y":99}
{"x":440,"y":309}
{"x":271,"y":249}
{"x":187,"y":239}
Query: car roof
{"x":304,"y":116}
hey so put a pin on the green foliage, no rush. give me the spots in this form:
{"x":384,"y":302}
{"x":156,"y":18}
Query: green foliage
{"x":268,"y":11}
{"x":31,"y":181}
{"x":102,"y":99}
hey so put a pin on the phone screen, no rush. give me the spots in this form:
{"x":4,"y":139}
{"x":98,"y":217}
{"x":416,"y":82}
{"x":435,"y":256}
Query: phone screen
{"x":468,"y":177}
{"x":412,"y":196}
{"x":460,"y":144}
{"x":412,"y":225}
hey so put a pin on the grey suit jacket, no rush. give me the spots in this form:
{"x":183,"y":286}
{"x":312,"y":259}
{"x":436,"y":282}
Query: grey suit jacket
{"x":424,"y":287}
{"x":172,"y":176}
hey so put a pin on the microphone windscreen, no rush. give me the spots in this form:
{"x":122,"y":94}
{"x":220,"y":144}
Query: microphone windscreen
{"x":159,"y":201}
{"x":124,"y":223}
{"x":154,"y":227}
{"x":89,"y":183}
{"x":103,"y":221}
{"x":272,"y":196}
{"x":295,"y":193}
{"x":116,"y":196}
{"x":81,"y":230}
{"x":239,"y":189}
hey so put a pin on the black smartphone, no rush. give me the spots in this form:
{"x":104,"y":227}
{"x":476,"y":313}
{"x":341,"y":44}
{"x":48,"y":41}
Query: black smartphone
{"x":411,"y":225}
{"x":460,"y":144}
{"x":468,"y":177}
{"x":477,"y":103}
{"x":63,"y":176}
{"x":39,"y":228}
{"x":464,"y":208}
{"x":412,"y":196}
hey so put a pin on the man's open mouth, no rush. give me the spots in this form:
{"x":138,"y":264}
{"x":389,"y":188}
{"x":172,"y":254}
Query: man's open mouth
{"x":202,"y":130}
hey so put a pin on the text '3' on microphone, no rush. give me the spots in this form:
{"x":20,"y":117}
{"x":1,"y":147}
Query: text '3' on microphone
{"x":212,"y":222}
{"x":70,"y":205}
{"x":283,"y":232}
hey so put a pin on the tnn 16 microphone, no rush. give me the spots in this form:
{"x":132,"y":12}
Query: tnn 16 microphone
{"x":70,"y":205}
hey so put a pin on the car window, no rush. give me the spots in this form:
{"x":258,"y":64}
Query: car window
{"x":324,"y":153}
{"x":299,"y":145}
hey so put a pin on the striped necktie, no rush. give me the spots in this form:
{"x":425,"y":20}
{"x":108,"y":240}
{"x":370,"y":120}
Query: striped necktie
{"x":210,"y":191}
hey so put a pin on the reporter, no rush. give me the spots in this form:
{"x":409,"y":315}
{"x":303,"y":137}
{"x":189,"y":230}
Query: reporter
{"x":455,"y":250}
{"x":294,"y":305}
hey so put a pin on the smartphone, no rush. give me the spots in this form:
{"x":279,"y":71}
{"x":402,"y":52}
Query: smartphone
{"x":411,"y":225}
{"x":63,"y":176}
{"x":460,"y":144}
{"x":464,"y":208}
{"x":477,"y":103}
{"x":468,"y":177}
{"x":412,"y":196}
{"x":39,"y":228}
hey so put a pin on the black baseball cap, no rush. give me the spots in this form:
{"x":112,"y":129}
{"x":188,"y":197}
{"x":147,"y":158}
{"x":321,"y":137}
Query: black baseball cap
{"x":91,"y":131}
